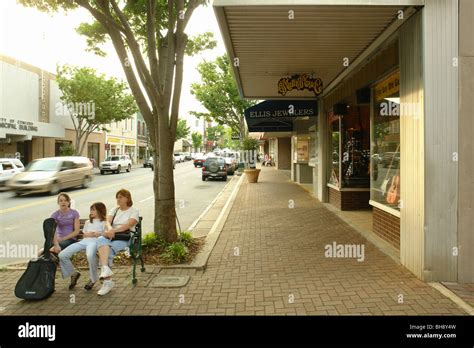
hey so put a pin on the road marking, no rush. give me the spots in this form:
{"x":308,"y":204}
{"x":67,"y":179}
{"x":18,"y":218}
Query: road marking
{"x":53,"y":199}
{"x":146,"y":199}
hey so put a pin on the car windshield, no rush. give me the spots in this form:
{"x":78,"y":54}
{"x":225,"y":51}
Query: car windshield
{"x":49,"y":165}
{"x":113,"y":158}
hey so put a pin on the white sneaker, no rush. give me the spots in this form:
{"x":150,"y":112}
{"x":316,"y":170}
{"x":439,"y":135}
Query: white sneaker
{"x":105,"y":288}
{"x":106,"y":272}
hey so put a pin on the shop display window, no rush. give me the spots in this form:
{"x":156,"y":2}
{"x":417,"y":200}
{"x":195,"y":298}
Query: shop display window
{"x":302,"y":149}
{"x":385,"y":161}
{"x":313,"y":146}
{"x":350,"y":148}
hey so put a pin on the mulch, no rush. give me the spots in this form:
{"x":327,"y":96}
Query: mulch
{"x":152,"y":255}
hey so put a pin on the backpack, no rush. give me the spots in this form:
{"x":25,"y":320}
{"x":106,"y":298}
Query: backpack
{"x":37,"y":282}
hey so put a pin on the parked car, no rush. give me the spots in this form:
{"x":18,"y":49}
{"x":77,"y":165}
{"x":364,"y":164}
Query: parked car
{"x":178,"y":157}
{"x":116,"y":164}
{"x":199,"y":160}
{"x":8,"y":168}
{"x":231,"y":161}
{"x":147,"y":163}
{"x":187,"y":156}
{"x":52,"y":175}
{"x":214,"y":167}
{"x":152,"y":163}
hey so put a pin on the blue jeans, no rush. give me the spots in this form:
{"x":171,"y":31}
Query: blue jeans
{"x":87,"y":244}
{"x":115,"y":247}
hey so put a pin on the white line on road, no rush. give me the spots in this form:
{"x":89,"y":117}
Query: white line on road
{"x":146,"y":199}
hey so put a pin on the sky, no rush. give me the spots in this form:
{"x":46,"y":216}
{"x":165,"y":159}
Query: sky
{"x":44,"y":40}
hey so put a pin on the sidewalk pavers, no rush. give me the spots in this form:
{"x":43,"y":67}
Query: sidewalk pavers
{"x":269,"y":259}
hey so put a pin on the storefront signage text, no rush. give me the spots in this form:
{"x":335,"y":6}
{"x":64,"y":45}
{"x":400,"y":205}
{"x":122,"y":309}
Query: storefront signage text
{"x":18,"y":125}
{"x":388,"y":87}
{"x":300,"y":82}
{"x":282,"y":113}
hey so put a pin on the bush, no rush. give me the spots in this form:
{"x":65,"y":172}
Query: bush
{"x":149,"y":238}
{"x":250,"y":144}
{"x":175,"y":253}
{"x":67,"y":150}
{"x":186,"y":238}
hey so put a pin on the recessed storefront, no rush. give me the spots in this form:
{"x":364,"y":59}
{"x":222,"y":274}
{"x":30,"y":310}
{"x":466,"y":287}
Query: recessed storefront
{"x":386,"y":127}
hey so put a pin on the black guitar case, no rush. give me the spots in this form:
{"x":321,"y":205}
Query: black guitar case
{"x":37,"y":282}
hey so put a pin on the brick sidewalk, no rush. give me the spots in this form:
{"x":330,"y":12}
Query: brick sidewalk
{"x":280,"y":269}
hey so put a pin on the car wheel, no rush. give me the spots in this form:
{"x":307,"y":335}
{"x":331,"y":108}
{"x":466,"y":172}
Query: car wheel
{"x":86,"y":182}
{"x":119,"y":169}
{"x":152,"y":168}
{"x":224,"y":178}
{"x":129,"y":168}
{"x":203,"y":178}
{"x":102,"y":172}
{"x":54,"y":188}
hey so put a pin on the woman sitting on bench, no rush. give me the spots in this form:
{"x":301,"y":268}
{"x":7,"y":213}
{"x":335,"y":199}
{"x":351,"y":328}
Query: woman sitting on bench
{"x":122,"y":219}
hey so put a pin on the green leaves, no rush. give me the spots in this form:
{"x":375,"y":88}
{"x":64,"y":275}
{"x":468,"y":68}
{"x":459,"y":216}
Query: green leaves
{"x":219,"y":95}
{"x":182,"y":131}
{"x":108,"y":98}
{"x":197,"y":140}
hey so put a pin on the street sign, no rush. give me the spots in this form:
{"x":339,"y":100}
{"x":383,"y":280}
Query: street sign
{"x":235,"y":137}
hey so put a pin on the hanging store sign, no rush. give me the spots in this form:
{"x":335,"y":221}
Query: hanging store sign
{"x":300,"y":83}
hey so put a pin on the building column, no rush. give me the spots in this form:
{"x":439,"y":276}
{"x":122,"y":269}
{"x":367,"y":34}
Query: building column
{"x":323,"y":154}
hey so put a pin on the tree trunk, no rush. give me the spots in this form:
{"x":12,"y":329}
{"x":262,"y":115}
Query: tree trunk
{"x":165,"y":198}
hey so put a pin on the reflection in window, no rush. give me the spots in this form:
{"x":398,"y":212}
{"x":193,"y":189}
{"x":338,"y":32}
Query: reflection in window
{"x":385,"y":158}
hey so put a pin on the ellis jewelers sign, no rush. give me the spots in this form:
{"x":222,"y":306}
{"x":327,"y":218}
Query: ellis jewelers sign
{"x":300,"y":82}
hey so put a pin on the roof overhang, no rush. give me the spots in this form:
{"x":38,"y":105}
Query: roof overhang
{"x":265,"y":45}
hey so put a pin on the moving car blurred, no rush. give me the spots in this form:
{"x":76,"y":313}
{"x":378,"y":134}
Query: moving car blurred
{"x":115,"y":164}
{"x":8,"y":168}
{"x":214,"y":167}
{"x":52,"y":175}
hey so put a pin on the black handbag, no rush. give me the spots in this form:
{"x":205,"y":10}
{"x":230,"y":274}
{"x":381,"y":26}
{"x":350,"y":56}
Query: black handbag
{"x":125,"y":235}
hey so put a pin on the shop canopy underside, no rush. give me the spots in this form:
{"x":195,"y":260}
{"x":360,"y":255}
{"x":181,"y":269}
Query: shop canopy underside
{"x":279,"y":115}
{"x":319,"y":38}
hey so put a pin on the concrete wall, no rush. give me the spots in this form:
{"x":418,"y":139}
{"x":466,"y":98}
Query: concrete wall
{"x":466,"y":143}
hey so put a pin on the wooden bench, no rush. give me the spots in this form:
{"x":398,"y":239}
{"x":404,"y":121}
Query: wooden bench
{"x":135,"y":246}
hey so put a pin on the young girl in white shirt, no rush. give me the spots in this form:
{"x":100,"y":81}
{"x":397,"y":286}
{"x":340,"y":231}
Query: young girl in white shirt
{"x":93,"y":228}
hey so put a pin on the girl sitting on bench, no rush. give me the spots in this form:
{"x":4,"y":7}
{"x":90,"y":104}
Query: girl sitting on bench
{"x":93,"y":229}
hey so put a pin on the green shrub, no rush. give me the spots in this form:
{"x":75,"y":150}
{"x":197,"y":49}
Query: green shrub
{"x":175,"y":253}
{"x":67,"y":150}
{"x":186,"y":238}
{"x":151,"y":238}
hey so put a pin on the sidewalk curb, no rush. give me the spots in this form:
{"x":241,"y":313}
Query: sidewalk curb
{"x":200,"y":262}
{"x":453,"y":297}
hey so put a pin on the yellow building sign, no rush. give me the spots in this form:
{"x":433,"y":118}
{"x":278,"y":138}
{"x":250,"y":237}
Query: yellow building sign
{"x":112,"y":140}
{"x":388,"y":87}
{"x":130,"y":142}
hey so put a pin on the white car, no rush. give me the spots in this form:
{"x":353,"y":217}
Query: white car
{"x":8,"y":168}
{"x":116,"y":164}
{"x":179,"y":157}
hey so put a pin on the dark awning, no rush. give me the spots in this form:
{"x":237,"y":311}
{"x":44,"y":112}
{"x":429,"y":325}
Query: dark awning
{"x":278,"y":115}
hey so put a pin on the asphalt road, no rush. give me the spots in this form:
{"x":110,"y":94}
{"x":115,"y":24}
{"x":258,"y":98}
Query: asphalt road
{"x":21,"y":217}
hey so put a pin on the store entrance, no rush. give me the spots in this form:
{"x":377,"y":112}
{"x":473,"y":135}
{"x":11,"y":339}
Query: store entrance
{"x":25,"y":148}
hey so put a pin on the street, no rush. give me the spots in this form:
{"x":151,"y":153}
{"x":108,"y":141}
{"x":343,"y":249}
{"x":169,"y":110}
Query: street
{"x":21,"y":217}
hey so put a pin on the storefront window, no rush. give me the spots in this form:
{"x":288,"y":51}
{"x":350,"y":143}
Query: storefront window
{"x":313,"y":146}
{"x":350,"y":147}
{"x":334,"y":136}
{"x":301,"y":146}
{"x":385,"y":159}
